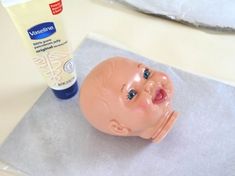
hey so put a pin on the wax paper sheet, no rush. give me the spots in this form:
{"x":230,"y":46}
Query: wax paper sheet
{"x":54,"y":138}
{"x":218,"y":15}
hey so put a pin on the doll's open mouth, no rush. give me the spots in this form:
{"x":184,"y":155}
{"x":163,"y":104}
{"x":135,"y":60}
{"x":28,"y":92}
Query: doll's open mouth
{"x":160,"y":96}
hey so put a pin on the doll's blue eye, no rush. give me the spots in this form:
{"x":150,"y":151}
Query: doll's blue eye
{"x":146,"y":73}
{"x":131,"y":94}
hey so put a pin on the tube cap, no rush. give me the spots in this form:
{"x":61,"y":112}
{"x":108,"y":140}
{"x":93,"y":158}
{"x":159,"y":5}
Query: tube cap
{"x":66,"y":93}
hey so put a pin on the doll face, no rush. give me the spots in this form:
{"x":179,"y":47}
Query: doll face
{"x":138,"y":97}
{"x":144,"y":97}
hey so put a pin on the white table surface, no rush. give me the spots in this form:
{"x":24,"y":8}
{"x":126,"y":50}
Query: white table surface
{"x":190,"y":49}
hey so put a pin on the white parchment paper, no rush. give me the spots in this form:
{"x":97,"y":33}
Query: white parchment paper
{"x":54,"y":139}
{"x":216,"y":14}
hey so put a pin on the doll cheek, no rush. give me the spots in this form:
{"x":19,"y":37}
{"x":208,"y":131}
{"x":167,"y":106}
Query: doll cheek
{"x":143,"y":106}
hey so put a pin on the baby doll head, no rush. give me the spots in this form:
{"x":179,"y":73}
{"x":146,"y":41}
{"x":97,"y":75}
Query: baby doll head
{"x":126,"y":98}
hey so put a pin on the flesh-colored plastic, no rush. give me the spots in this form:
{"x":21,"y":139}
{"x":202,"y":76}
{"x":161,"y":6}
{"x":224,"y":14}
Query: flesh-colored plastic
{"x":126,"y":98}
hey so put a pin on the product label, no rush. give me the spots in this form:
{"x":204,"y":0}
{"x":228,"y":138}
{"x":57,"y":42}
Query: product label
{"x":56,"y":7}
{"x":56,"y":68}
{"x":54,"y":59}
{"x":42,"y":30}
{"x":41,"y":27}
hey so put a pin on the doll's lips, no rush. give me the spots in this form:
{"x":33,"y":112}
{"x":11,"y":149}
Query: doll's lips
{"x":160,"y":96}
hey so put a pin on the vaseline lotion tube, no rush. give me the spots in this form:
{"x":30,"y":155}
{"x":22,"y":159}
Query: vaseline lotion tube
{"x":40,"y":26}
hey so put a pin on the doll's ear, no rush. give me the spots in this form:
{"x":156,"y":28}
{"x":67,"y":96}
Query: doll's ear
{"x":117,"y":129}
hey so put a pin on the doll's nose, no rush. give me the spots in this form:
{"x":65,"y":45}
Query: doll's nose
{"x":149,"y":87}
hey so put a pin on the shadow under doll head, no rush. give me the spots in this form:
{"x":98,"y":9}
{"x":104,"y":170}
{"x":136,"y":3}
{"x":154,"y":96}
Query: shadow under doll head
{"x":126,"y":98}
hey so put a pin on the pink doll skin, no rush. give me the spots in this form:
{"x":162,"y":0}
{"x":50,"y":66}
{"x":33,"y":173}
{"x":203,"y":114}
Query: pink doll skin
{"x":126,"y":98}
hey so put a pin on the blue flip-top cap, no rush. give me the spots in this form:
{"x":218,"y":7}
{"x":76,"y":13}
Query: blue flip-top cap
{"x":66,"y":93}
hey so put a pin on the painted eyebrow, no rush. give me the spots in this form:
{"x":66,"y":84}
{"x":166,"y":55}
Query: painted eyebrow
{"x":123,"y":87}
{"x":139,"y":65}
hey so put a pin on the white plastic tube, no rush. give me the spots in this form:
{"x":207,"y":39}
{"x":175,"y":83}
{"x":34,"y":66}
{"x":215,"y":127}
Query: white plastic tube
{"x":40,"y":26}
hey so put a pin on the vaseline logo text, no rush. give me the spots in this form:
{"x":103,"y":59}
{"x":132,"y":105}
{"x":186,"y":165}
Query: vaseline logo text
{"x":42,"y":31}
